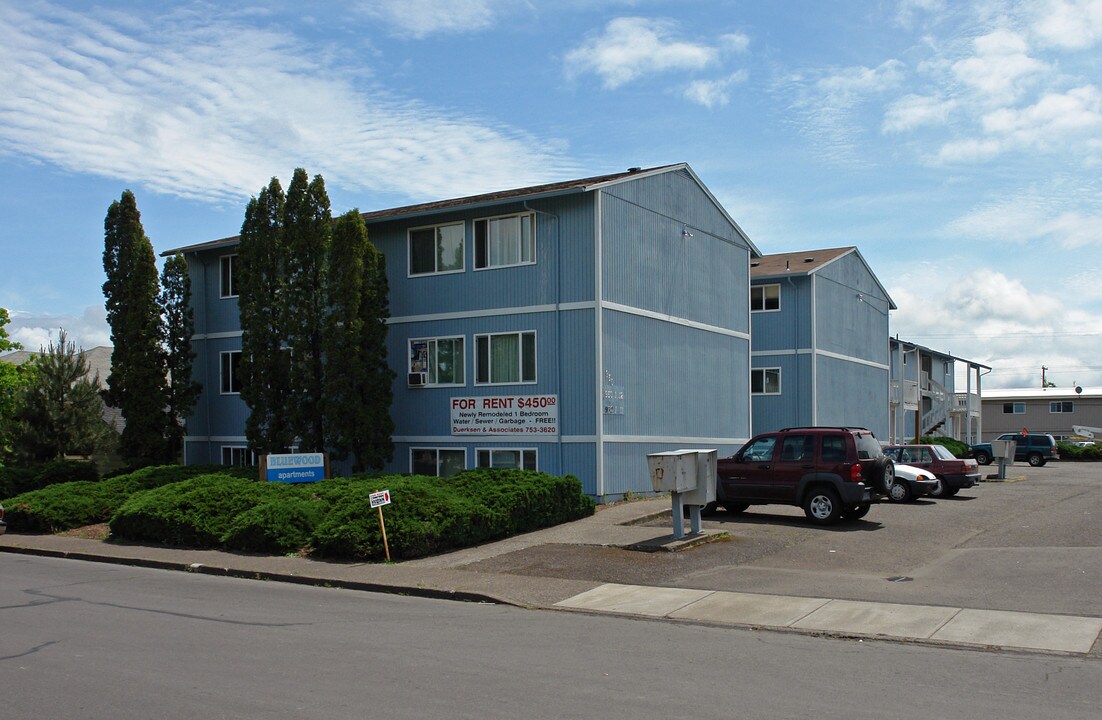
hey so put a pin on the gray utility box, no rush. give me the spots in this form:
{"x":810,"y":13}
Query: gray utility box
{"x":688,"y":473}
{"x":1003,"y":449}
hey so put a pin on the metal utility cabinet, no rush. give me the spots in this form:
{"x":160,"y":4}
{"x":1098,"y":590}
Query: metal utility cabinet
{"x":690,"y":478}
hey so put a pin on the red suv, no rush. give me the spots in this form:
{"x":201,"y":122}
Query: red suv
{"x":831,"y":472}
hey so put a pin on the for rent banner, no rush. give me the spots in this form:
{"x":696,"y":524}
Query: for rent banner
{"x":506,"y":415}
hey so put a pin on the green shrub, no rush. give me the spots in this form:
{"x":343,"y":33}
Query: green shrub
{"x":71,"y":505}
{"x":282,"y":522}
{"x":958,"y":448}
{"x":1075,"y":453}
{"x":61,"y":507}
{"x":196,"y":512}
{"x":17,"y":480}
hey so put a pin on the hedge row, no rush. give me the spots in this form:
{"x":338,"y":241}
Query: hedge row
{"x":75,"y":504}
{"x":334,"y":518}
{"x":17,"y":480}
{"x":218,"y":507}
{"x":1075,"y":453}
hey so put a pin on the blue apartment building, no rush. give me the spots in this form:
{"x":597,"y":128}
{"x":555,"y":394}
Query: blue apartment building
{"x":571,"y":327}
{"x":820,"y":341}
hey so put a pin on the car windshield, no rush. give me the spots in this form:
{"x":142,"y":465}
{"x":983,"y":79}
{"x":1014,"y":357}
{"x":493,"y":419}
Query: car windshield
{"x":868,"y":447}
{"x":942,"y":452}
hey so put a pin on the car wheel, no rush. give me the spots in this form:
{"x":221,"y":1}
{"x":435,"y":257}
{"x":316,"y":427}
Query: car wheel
{"x":982,"y":458}
{"x":822,"y":506}
{"x":899,"y":492}
{"x":1035,"y":460}
{"x":856,"y":512}
{"x":938,"y":490}
{"x":950,"y":492}
{"x":735,"y":507}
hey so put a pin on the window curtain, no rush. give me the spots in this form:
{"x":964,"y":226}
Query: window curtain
{"x":504,"y":358}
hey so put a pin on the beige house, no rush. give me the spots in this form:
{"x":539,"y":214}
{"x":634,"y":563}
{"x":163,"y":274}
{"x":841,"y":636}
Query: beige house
{"x":1050,"y":411}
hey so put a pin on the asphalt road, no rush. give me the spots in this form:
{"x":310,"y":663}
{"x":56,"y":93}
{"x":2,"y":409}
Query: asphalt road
{"x":1031,"y":546}
{"x":86,"y":640}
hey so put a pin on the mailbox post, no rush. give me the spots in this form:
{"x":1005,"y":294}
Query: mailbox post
{"x":1003,"y":451}
{"x":690,"y":478}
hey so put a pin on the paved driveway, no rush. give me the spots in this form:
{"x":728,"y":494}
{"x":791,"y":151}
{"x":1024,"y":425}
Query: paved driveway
{"x":1034,"y":545}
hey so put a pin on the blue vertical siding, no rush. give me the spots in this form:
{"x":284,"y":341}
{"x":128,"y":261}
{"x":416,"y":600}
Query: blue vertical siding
{"x":852,"y":394}
{"x":788,"y":328}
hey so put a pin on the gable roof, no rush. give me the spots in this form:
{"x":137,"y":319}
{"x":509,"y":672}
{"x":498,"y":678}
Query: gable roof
{"x":893,"y":341}
{"x":808,"y":262}
{"x":531,"y":192}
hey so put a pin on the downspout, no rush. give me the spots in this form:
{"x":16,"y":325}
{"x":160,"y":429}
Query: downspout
{"x":796,"y":346}
{"x":598,"y":323}
{"x":814,"y":354}
{"x":558,"y":318}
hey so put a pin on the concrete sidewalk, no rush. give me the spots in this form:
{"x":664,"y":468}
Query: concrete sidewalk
{"x":457,"y":576}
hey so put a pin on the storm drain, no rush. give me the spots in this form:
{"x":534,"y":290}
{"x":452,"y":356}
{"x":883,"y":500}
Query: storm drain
{"x":900,"y":578}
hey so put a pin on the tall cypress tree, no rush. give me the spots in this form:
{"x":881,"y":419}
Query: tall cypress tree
{"x":136,"y":384}
{"x":179,"y":325}
{"x":358,"y":379}
{"x":261,"y":281}
{"x":308,"y":230}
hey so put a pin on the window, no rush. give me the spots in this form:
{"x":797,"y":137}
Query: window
{"x":440,"y":462}
{"x":761,"y":450}
{"x":231,"y":372}
{"x":521,"y":459}
{"x":238,"y":456}
{"x":228,"y":274}
{"x":504,"y":241}
{"x":441,"y":359}
{"x":765,"y":381}
{"x":1061,"y":407}
{"x":436,"y":249}
{"x":505,"y":358}
{"x":765,"y":297}
{"x":834,"y":448}
{"x":1014,"y":408}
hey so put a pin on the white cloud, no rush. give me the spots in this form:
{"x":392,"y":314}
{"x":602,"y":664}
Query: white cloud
{"x":420,"y":18}
{"x":1029,"y":219}
{"x":211,"y":110}
{"x":735,"y":42}
{"x":1073,"y":24}
{"x":912,"y":111}
{"x":990,"y":318}
{"x":1054,"y":119}
{"x":36,"y":330}
{"x":1000,"y":66}
{"x":633,"y":47}
{"x":857,"y":81}
{"x":713,"y":93}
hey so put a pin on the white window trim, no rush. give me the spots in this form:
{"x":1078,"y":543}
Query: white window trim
{"x":1060,"y":404}
{"x":780,"y":386}
{"x":437,"y":450}
{"x":409,"y":359}
{"x":222,"y":294}
{"x":762,"y":288}
{"x":520,"y":334}
{"x":221,"y":365}
{"x":520,"y":450}
{"x":1014,"y":408}
{"x":474,"y":235}
{"x":409,"y":250}
{"x":251,"y":455}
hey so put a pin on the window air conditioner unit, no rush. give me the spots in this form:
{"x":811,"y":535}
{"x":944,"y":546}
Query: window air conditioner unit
{"x":418,"y":379}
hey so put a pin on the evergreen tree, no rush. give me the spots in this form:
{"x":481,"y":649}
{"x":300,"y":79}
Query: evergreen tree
{"x":59,"y":412}
{"x":357,"y":378}
{"x":136,"y":384}
{"x":179,"y":325}
{"x":308,"y":230}
{"x":264,"y":358}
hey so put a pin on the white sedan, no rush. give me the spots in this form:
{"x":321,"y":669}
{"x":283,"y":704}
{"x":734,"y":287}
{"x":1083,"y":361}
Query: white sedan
{"x":911,"y":483}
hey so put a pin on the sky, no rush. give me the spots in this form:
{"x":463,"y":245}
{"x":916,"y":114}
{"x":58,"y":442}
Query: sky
{"x":957,"y":144}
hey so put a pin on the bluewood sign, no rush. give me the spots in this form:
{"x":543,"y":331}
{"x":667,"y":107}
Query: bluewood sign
{"x":295,"y":468}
